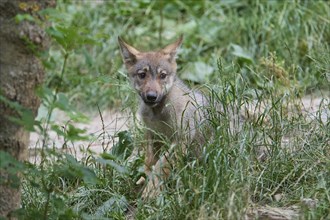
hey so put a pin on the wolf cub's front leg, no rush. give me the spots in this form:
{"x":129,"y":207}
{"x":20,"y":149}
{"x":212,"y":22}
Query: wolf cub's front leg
{"x":157,"y":168}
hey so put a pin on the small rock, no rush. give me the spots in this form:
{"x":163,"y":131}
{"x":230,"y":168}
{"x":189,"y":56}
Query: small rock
{"x":310,"y":203}
{"x":278,"y":197}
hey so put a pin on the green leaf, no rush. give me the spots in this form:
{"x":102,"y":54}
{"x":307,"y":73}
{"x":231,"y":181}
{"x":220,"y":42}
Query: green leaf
{"x":78,"y":116}
{"x":58,"y":36}
{"x":12,"y":167}
{"x":62,"y":102}
{"x":7,"y":161}
{"x":113,"y":164}
{"x":46,"y":94}
{"x":124,"y":147}
{"x":58,"y":129}
{"x":114,"y":204}
{"x":107,"y":156}
{"x":79,"y":170}
{"x":197,"y":72}
{"x":24,"y":117}
{"x":23,"y":17}
{"x":73,"y":133}
{"x":70,"y":37}
{"x":89,"y":175}
{"x":242,"y":53}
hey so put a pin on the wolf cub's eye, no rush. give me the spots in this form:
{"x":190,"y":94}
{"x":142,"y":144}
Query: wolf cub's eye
{"x":163,"y":75}
{"x":141,"y":75}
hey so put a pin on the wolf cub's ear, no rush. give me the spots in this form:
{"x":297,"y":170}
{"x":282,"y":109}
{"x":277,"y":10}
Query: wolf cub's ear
{"x":172,"y":49}
{"x":128,"y":52}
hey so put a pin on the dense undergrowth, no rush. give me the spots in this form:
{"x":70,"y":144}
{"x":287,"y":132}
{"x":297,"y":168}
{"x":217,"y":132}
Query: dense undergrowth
{"x":269,"y":53}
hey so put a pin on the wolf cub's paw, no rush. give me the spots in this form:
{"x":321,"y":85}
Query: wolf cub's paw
{"x":152,"y":189}
{"x":141,"y":181}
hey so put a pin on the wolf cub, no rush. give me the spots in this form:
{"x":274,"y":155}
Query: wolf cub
{"x":168,"y":108}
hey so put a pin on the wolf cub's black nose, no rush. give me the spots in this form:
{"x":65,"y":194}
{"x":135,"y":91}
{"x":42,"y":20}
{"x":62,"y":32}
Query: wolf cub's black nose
{"x":151,"y":96}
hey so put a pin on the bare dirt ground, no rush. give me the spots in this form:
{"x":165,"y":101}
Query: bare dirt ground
{"x":103,"y":129}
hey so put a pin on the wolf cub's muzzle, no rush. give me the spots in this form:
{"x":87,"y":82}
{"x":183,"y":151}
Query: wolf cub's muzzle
{"x":151,"y":98}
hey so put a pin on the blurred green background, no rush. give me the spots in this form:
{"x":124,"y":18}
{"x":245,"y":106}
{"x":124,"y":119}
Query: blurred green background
{"x":265,"y":42}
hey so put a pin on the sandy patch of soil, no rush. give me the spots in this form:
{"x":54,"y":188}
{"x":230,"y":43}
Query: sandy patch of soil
{"x":101,"y":133}
{"x":311,"y":107}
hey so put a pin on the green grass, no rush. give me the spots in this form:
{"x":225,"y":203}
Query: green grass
{"x":227,"y":181}
{"x":265,"y":53}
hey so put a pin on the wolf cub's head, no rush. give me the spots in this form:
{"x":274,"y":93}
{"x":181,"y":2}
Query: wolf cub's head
{"x":152,"y":73}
